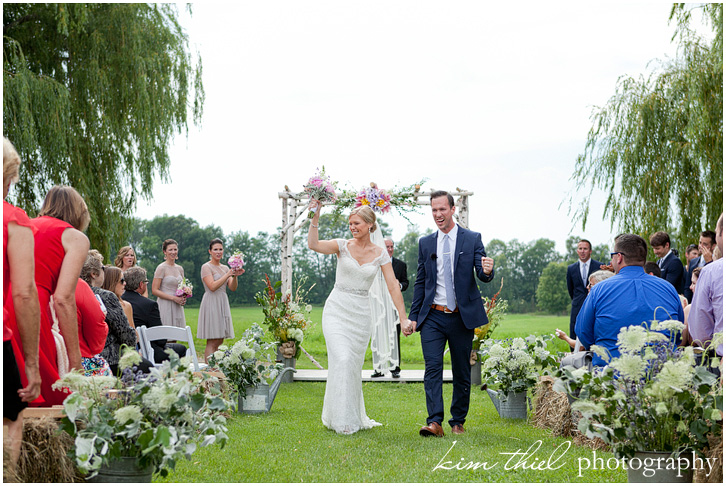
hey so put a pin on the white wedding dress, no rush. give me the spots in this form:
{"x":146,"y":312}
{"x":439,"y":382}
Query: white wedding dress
{"x":347,"y":330}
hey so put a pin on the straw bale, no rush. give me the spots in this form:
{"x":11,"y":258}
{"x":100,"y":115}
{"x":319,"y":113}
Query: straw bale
{"x":552,"y":410}
{"x":714,"y":450}
{"x":44,"y":453}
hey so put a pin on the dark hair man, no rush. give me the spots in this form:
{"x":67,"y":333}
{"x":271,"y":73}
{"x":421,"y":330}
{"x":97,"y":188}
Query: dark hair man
{"x":578,"y":274}
{"x":671,"y":267}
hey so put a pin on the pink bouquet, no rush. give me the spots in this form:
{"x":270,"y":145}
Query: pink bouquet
{"x":378,"y":200}
{"x":184,"y":289}
{"x":320,"y":187}
{"x":236,"y":261}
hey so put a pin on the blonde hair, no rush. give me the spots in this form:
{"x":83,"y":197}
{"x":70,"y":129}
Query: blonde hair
{"x":119,"y":261}
{"x":366,"y":214}
{"x":11,"y":164}
{"x":92,"y":265}
{"x":64,"y":203}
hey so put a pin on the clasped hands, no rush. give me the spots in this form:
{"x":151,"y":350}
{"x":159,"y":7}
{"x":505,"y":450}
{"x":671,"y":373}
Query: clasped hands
{"x":408,"y":327}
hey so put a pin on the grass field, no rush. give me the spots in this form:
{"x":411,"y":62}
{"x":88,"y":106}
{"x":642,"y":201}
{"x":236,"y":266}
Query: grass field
{"x":512,"y":325}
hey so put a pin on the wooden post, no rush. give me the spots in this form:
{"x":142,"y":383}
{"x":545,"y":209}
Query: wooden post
{"x":285,"y":257}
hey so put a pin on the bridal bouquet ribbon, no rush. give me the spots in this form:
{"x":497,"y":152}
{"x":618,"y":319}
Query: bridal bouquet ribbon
{"x":236,"y":261}
{"x":378,"y":200}
{"x":320,"y":187}
{"x":184,"y":289}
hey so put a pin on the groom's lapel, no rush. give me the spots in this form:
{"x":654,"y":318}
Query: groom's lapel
{"x":459,"y":244}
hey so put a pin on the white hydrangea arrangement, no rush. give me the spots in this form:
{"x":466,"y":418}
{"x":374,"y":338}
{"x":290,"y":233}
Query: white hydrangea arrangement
{"x":158,"y":418}
{"x":514,"y":365}
{"x":652,"y":397}
{"x":248,"y":362}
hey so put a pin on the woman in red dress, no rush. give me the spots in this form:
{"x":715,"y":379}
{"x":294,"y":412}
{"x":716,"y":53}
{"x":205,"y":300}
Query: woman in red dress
{"x":18,"y":268}
{"x":60,"y":250}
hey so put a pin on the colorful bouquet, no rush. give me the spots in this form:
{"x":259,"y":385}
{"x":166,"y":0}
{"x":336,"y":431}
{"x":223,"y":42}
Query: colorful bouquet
{"x":378,"y":200}
{"x":236,"y":261}
{"x":320,"y":187}
{"x":184,"y":289}
{"x":285,"y":315}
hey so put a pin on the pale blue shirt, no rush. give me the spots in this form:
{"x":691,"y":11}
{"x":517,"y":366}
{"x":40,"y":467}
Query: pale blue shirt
{"x":440,"y":297}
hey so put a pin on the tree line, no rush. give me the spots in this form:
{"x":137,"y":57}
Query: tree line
{"x":533,"y":272}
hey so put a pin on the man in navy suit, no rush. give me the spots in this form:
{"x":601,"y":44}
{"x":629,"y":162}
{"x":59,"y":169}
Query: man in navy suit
{"x":578,"y":275}
{"x":447,"y":307}
{"x":670,"y":265}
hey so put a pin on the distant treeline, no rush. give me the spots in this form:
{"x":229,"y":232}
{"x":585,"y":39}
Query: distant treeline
{"x":520,"y":264}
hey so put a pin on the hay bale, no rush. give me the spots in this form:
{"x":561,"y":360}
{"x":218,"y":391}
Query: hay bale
{"x":552,"y":410}
{"x":44,"y":453}
{"x":714,"y":450}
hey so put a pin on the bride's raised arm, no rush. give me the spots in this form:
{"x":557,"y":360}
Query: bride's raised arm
{"x":326,"y":247}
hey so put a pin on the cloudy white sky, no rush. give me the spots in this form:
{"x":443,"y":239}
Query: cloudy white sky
{"x":490,"y":97}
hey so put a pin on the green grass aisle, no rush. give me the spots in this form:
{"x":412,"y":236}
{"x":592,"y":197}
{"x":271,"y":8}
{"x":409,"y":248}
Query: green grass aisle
{"x":290,"y":444}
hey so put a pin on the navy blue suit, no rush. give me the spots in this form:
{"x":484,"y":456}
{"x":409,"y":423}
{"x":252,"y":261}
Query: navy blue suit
{"x":672,"y":270}
{"x":437,"y":327}
{"x":577,"y":289}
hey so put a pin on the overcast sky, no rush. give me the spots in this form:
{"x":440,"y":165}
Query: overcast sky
{"x":494,"y":98}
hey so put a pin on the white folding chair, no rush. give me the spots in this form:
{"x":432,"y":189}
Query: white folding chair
{"x":178,"y":334}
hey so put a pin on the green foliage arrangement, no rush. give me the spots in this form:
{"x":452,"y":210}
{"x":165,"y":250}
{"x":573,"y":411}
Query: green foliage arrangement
{"x":248,"y":362}
{"x":158,"y":418}
{"x":403,"y":199}
{"x":515,"y":365}
{"x":652,"y":397}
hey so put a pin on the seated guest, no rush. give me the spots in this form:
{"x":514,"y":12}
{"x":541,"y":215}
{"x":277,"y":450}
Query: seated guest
{"x":706,"y":315}
{"x":119,"y":330}
{"x":671,"y":268}
{"x":146,"y":311}
{"x":114,"y":281}
{"x":92,"y":330}
{"x":652,"y":268}
{"x":630,"y":298}
{"x":596,"y":277}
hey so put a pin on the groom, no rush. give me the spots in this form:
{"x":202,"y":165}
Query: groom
{"x":447,"y":306}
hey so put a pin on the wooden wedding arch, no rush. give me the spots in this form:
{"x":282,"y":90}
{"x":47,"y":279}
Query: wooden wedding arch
{"x":294,"y":205}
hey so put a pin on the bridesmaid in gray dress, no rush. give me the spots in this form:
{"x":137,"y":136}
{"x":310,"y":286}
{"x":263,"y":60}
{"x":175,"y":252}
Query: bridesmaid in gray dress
{"x":215,"y":318}
{"x":167,"y":277}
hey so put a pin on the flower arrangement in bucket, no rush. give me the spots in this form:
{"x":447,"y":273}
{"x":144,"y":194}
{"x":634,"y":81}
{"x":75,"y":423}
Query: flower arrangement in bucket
{"x":652,"y":397}
{"x":515,"y":365}
{"x":248,"y":362}
{"x":157,"y":419}
{"x":286,"y":315}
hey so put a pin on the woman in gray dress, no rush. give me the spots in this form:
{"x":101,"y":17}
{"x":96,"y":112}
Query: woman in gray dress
{"x":215,"y":318}
{"x":167,"y":277}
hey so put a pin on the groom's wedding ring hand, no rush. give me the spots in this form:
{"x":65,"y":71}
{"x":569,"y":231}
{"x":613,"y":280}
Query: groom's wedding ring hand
{"x":487,"y":265}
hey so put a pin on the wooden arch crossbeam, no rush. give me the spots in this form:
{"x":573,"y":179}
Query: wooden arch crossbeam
{"x":294,"y":206}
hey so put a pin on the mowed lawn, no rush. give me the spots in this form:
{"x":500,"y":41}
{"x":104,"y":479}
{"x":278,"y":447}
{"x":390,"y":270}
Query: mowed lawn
{"x":513,"y":325}
{"x":290,"y":444}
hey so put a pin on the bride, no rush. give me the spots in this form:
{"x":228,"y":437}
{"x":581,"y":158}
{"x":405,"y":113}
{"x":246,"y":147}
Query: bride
{"x":347,"y":316}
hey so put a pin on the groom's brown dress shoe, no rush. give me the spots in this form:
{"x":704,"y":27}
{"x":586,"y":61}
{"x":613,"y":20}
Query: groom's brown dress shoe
{"x":457,"y":429}
{"x":432,"y":429}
